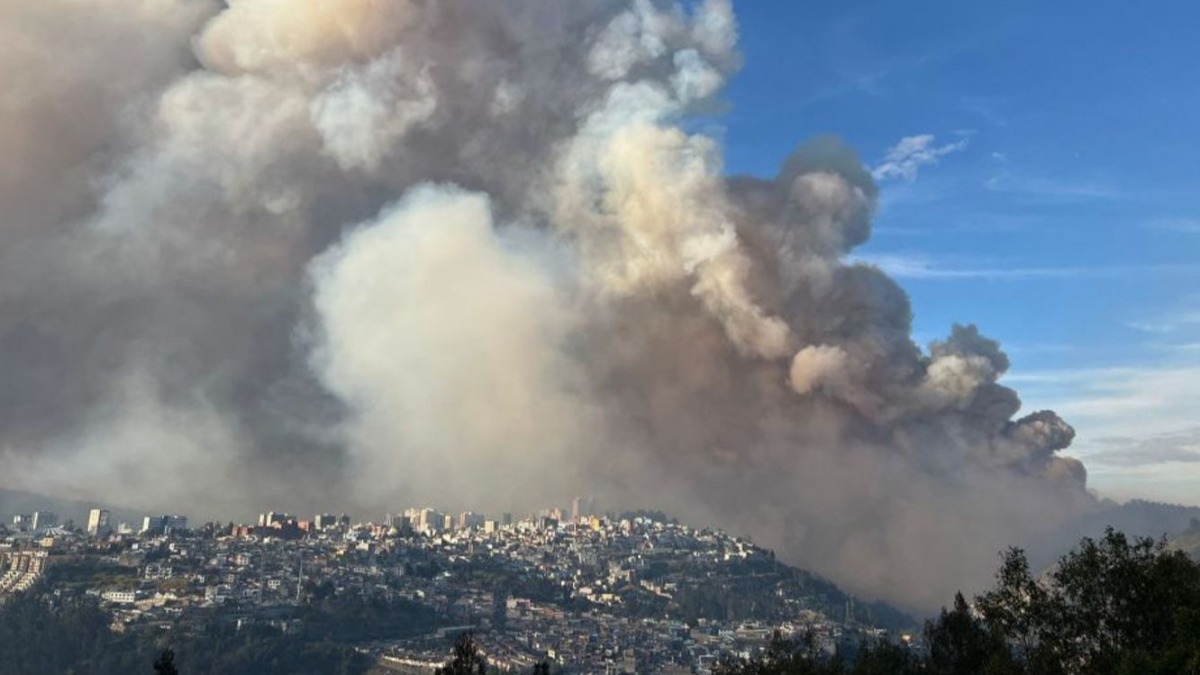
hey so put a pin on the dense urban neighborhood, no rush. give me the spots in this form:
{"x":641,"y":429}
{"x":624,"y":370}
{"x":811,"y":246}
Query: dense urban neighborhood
{"x":592,"y":594}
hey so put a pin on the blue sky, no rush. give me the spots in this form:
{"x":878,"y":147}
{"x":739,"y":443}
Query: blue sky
{"x":1047,"y":191}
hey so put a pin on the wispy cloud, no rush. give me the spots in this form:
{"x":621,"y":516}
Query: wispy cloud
{"x":1120,"y":401}
{"x":1045,"y":348}
{"x":1050,"y":190}
{"x":1180,"y":322}
{"x":1167,"y":325}
{"x":869,"y":80}
{"x":985,"y":107}
{"x":1123,"y":451}
{"x":919,"y":267}
{"x":1184,"y":225}
{"x":905,"y":159}
{"x":910,"y":266}
{"x":1137,"y":424}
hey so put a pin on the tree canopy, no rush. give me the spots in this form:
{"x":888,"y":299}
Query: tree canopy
{"x":1109,"y":607}
{"x":467,"y":659}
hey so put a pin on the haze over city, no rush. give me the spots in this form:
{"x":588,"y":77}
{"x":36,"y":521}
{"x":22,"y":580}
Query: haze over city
{"x":884,"y":294}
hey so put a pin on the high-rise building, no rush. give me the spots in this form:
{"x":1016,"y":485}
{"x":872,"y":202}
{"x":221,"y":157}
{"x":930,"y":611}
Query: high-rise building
{"x":429,"y":520}
{"x":174,"y":523}
{"x":42,"y":520}
{"x":581,"y":507}
{"x":97,"y":525}
{"x":470,"y":519}
{"x":324,"y":521}
{"x":163,"y":524}
{"x":400,"y":521}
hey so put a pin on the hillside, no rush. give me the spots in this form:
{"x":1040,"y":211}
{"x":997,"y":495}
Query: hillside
{"x":1136,"y":518}
{"x":1188,"y":541}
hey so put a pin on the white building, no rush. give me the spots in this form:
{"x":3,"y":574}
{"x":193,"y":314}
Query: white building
{"x":164,"y":523}
{"x":97,"y":525}
{"x":120,"y":597}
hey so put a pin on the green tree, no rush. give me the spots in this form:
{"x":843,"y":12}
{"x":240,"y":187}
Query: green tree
{"x":1109,"y":607}
{"x":1018,"y":606}
{"x":962,"y":644}
{"x":165,"y":663}
{"x":886,"y":658}
{"x":467,"y":659}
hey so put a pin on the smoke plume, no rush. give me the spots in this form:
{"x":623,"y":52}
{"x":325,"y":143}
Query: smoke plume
{"x":467,"y":252}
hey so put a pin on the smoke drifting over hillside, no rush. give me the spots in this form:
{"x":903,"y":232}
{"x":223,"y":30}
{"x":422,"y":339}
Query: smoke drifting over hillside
{"x":464,"y":252}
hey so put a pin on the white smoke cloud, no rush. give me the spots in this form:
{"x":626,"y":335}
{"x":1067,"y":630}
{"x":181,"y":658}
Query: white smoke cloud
{"x":144,"y":450}
{"x":362,"y":114}
{"x":448,"y":343}
{"x":467,"y":252}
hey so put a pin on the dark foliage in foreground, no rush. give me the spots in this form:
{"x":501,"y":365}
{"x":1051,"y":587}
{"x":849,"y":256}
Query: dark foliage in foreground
{"x":165,"y":663}
{"x":1110,"y":607}
{"x":42,"y":634}
{"x":467,"y":659}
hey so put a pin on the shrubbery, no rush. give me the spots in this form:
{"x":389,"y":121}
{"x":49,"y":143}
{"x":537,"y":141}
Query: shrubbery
{"x":1110,"y":607}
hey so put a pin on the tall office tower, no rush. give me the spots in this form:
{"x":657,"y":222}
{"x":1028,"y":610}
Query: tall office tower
{"x":174,"y":523}
{"x":581,"y":507}
{"x":428,"y":520}
{"x":506,"y":519}
{"x":164,"y":524}
{"x":42,"y":520}
{"x":97,"y":525}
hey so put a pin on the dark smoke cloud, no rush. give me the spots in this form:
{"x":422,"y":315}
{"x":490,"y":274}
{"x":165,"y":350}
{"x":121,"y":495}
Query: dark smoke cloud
{"x":302,"y":255}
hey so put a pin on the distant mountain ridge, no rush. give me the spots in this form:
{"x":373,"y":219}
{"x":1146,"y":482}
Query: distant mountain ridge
{"x":1141,"y":518}
{"x":1135,"y":518}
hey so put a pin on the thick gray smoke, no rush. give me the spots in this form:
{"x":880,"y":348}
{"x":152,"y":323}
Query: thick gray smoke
{"x":306,"y":254}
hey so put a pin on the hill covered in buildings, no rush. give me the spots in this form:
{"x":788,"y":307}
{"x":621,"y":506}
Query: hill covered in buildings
{"x":587,"y":592}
